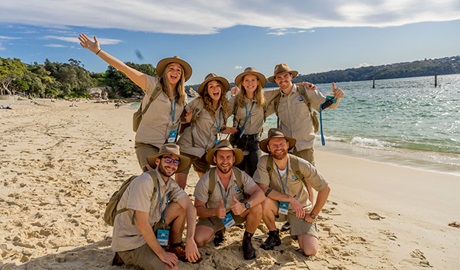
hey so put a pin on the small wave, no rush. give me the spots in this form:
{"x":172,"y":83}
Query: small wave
{"x":370,"y":143}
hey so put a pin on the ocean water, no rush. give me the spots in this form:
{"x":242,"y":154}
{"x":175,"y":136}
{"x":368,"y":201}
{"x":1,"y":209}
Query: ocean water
{"x":407,"y":121}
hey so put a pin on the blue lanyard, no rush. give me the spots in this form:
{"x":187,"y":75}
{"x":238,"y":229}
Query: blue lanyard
{"x":218,"y":123}
{"x":247,"y":116}
{"x":161,"y":202}
{"x":323,"y":141}
{"x":222,"y":193}
{"x":281,"y":179}
{"x":173,"y":111}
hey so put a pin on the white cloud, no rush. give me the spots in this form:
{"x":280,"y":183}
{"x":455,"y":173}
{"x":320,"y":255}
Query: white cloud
{"x":102,"y":41}
{"x":237,"y":67}
{"x":201,"y":17}
{"x":8,"y":38}
{"x":364,"y":65}
{"x":55,"y":46}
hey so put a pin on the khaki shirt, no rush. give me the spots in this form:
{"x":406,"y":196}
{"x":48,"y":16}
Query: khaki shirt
{"x":204,"y":130}
{"x":202,"y":187}
{"x":255,"y":117}
{"x":295,"y":118}
{"x":141,"y":196}
{"x":157,"y":121}
{"x":295,"y":187}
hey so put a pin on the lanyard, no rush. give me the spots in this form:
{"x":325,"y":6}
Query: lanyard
{"x":222,"y":193}
{"x":281,"y":179}
{"x":218,"y":123}
{"x":247,"y":116}
{"x":161,"y":202}
{"x":173,"y":111}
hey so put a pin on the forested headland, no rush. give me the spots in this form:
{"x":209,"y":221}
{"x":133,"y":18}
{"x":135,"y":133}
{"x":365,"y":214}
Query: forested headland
{"x":69,"y":80}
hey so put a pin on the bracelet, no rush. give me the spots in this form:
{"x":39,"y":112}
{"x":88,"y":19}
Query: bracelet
{"x":98,"y":51}
{"x":268,"y":192}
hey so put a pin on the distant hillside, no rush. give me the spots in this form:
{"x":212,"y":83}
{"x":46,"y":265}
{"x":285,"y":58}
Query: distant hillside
{"x":427,"y":67}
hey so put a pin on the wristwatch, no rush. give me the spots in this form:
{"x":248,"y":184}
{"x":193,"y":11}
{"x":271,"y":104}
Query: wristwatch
{"x":313,"y":216}
{"x":247,"y":205}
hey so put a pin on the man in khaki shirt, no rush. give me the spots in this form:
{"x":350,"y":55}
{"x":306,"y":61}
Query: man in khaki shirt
{"x":287,"y":195}
{"x":228,"y":203}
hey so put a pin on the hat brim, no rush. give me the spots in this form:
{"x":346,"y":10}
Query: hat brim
{"x":239,"y":156}
{"x":184,"y":161}
{"x":222,"y":80}
{"x":163,"y":63}
{"x":262,"y":79}
{"x":264,"y":143}
{"x":293,"y":74}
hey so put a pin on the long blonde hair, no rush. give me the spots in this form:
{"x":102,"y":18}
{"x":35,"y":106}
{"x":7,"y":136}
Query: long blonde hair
{"x":180,"y":88}
{"x":258,"y":94}
{"x":208,"y":102}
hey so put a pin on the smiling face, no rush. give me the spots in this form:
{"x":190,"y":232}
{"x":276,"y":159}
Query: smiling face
{"x":224,"y":160}
{"x":250,"y":83}
{"x":214,"y":90}
{"x":278,"y":147}
{"x":284,"y":80}
{"x":167,"y":169}
{"x":174,"y":72}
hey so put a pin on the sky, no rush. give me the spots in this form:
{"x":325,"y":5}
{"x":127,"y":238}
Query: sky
{"x":224,"y":37}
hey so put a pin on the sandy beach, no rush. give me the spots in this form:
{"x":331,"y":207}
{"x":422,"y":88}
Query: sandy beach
{"x":60,"y":164}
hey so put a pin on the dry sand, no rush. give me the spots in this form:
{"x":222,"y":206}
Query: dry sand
{"x":59,"y":165}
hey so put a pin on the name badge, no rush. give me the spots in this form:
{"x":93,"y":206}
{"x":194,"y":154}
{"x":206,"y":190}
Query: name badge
{"x":228,"y":221}
{"x":172,"y":136}
{"x":283,"y":209}
{"x":163,"y":237}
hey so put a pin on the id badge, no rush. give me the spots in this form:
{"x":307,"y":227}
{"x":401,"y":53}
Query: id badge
{"x":172,"y":136}
{"x":228,"y":221}
{"x":219,"y":135}
{"x":163,"y":237}
{"x":284,"y":207}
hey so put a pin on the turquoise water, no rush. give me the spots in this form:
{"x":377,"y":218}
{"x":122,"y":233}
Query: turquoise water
{"x":403,"y":121}
{"x":407,"y":122}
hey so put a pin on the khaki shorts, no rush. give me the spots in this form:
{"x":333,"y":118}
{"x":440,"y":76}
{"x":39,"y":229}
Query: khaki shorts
{"x":216,"y":223}
{"x":199,"y":164}
{"x":307,"y":154}
{"x":299,"y":226}
{"x":143,"y":151}
{"x":143,"y":257}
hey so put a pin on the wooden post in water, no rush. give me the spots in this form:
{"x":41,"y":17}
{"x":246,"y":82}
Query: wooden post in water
{"x":435,"y":80}
{"x":373,"y":82}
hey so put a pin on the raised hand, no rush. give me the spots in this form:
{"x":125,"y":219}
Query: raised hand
{"x":221,"y":211}
{"x":86,"y":42}
{"x":237,"y":207}
{"x":338,"y":93}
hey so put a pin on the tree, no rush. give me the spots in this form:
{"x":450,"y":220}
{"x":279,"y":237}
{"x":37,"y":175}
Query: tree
{"x":10,"y":69}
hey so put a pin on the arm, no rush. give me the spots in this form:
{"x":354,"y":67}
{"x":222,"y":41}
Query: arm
{"x":204,"y":212}
{"x":143,"y":225}
{"x":191,"y":249}
{"x":256,"y":197}
{"x":320,"y":202}
{"x":137,"y":77}
{"x":281,"y":197}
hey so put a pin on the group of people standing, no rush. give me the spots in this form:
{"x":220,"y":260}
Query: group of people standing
{"x":237,"y":183}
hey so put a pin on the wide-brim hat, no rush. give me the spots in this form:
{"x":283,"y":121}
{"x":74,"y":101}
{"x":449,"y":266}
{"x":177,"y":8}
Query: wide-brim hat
{"x":275,"y":133}
{"x":281,"y":68}
{"x":163,"y":63}
{"x":224,"y":145}
{"x":170,"y":148}
{"x":214,"y":77}
{"x":251,"y":71}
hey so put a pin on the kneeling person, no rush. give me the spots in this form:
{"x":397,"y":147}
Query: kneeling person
{"x":156,"y":207}
{"x":284,"y":178}
{"x":225,"y":195}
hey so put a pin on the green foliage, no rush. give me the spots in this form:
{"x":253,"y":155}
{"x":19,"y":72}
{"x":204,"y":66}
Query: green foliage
{"x":122,"y":85}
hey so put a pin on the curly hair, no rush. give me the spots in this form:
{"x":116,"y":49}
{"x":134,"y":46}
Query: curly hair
{"x":223,"y":101}
{"x":181,"y":96}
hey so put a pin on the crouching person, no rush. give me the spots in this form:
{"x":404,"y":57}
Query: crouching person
{"x":283,"y":178}
{"x":225,"y":196}
{"x":149,"y":233}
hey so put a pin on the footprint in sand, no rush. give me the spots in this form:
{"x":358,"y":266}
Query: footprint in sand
{"x":420,"y":257}
{"x":375,"y":216}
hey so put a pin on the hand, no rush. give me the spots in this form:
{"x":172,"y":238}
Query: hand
{"x":221,"y":211}
{"x":188,"y":116}
{"x":169,"y":258}
{"x":237,"y":207}
{"x":234,"y":91}
{"x":191,"y":251}
{"x":299,"y":212}
{"x":85,"y":42}
{"x":308,"y":218}
{"x":229,"y":130}
{"x":307,"y":85}
{"x":338,"y":93}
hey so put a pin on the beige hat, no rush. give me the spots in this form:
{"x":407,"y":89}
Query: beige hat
{"x":281,"y":68}
{"x":175,"y":59}
{"x":170,"y":148}
{"x":214,"y":77}
{"x":252,"y":71}
{"x":275,"y":133}
{"x":224,"y":145}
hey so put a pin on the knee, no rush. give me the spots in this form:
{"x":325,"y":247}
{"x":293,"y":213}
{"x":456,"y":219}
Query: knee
{"x":310,"y":251}
{"x":257,"y":210}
